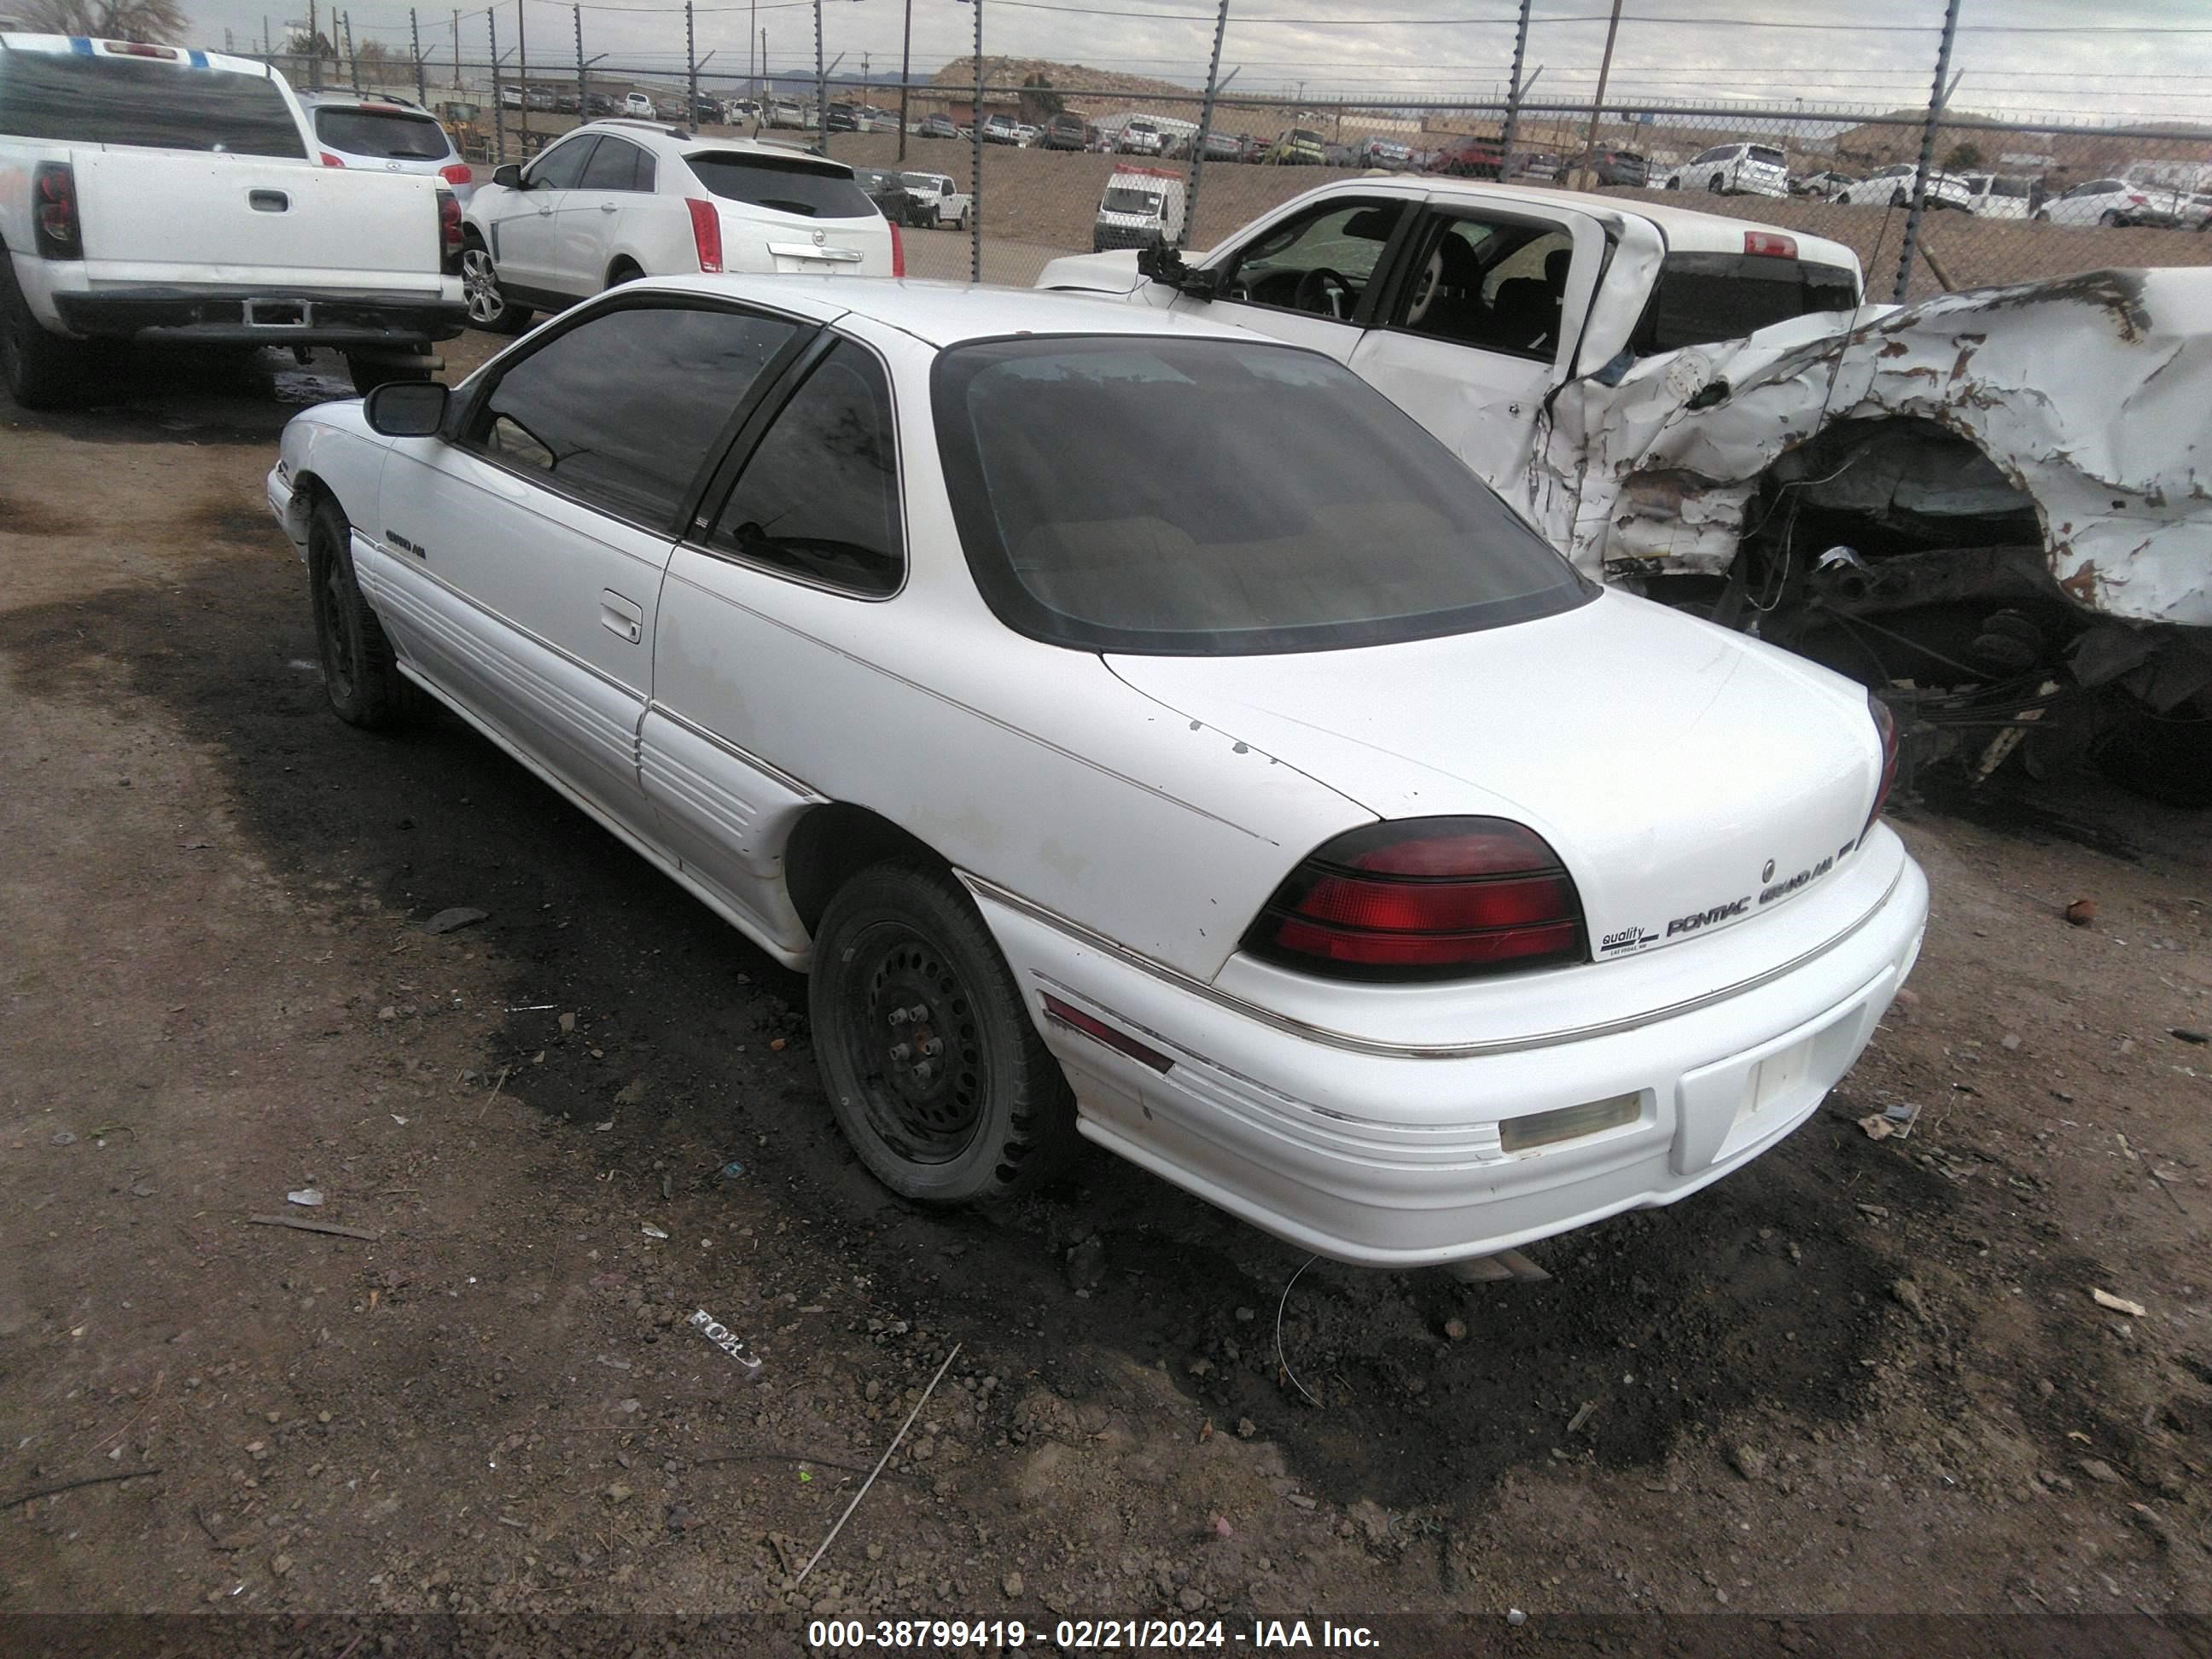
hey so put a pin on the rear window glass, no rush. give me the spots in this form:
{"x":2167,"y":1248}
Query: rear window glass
{"x":1703,"y":297}
{"x":386,"y":134}
{"x":2019,"y":187}
{"x":792,"y":185}
{"x":1773,"y":157}
{"x":1220,"y":497}
{"x":78,"y":98}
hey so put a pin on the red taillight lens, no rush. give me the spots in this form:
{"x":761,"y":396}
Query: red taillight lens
{"x":331,"y":161}
{"x":56,"y":231}
{"x":449,"y":223}
{"x":1433,"y":898}
{"x":706,"y":234}
{"x":1885,"y":723}
{"x":2140,"y":201}
{"x":898,"y":253}
{"x":458,"y":174}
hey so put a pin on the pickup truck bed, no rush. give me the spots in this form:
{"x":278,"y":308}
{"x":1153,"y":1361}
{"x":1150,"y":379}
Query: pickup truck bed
{"x":154,"y":194}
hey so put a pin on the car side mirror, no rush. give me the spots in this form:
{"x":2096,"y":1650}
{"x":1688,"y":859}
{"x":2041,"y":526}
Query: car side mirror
{"x":408,"y":408}
{"x":508,"y":177}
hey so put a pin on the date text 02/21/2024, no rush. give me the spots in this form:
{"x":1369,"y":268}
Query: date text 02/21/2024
{"x":1262,"y":1636}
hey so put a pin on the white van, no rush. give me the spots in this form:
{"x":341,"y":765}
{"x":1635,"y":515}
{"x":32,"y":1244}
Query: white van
{"x":1143,"y":207}
{"x":1998,"y":195}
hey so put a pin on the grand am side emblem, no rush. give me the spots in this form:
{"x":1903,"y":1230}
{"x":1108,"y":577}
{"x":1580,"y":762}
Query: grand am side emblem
{"x":1767,"y":874}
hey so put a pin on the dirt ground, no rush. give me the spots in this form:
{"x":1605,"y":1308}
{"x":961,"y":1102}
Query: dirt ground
{"x":1862,"y":1375}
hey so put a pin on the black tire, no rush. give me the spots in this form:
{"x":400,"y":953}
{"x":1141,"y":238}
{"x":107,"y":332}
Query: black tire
{"x":623,"y":271}
{"x":2110,"y":220}
{"x":998,"y":1120}
{"x":1674,"y":184}
{"x":1898,"y":198}
{"x":360,"y":674}
{"x":489,"y":309}
{"x":1714,"y":186}
{"x":42,"y":370}
{"x":368,"y":372}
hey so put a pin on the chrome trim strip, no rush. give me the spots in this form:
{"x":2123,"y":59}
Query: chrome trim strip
{"x":983,"y":888}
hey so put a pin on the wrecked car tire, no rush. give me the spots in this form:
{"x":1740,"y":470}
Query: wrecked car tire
{"x":360,"y":676}
{"x":935,"y":1071}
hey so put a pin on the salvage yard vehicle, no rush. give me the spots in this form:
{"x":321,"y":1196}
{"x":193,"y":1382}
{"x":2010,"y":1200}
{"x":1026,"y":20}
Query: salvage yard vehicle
{"x":150,"y":193}
{"x":386,"y":134}
{"x":1307,"y":882}
{"x":945,"y":202}
{"x":1141,"y":207}
{"x":1733,"y":170}
{"x":1997,"y":195}
{"x":1891,"y":187}
{"x":1989,"y":506}
{"x":2112,"y":201}
{"x":616,"y":200}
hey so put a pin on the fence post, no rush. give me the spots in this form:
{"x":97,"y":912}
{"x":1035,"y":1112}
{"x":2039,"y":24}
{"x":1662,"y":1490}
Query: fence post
{"x":498,"y":114}
{"x":975,"y":160}
{"x":906,"y":74}
{"x":583,"y":84}
{"x":522,"y":71}
{"x":1597,"y":104}
{"x":691,"y":66}
{"x":821,"y":86}
{"x":415,"y":37}
{"x":457,"y":50}
{"x":1927,"y":155}
{"x":314,"y":49}
{"x":1205,"y":126}
{"x":353,"y":61}
{"x":1513,"y":94}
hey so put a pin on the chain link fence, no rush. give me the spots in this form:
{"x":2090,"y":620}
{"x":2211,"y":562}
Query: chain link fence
{"x":1929,"y":200}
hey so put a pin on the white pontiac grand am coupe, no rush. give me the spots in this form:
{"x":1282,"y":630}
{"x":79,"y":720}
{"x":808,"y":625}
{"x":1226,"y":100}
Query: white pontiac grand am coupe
{"x":1142,"y":730}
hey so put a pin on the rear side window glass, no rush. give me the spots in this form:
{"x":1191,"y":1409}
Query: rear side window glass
{"x":792,"y":185}
{"x":620,"y":411}
{"x":385,"y":134}
{"x":78,"y":98}
{"x":1703,"y":297}
{"x":561,"y":165}
{"x":614,"y":166}
{"x":819,"y":497}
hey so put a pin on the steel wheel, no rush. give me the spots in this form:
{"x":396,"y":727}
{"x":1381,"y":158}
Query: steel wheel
{"x":909,"y":1025}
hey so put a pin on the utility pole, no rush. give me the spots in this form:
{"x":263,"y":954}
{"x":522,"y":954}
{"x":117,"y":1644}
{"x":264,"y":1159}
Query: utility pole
{"x":691,"y":69}
{"x":268,"y":40}
{"x":1936,"y":99}
{"x":1513,"y":96}
{"x":906,"y":74}
{"x":1205,"y":126}
{"x":1597,"y":104}
{"x":415,"y":36}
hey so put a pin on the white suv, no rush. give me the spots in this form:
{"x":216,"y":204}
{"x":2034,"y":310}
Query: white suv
{"x":618,"y":199}
{"x":1734,"y":170}
{"x":384,"y":134}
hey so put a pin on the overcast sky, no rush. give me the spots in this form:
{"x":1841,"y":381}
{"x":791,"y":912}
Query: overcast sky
{"x":2067,"y":59}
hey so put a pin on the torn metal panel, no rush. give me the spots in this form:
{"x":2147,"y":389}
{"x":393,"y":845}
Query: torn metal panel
{"x":2091,"y":395}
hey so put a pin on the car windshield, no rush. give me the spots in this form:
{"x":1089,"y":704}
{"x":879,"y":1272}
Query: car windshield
{"x":1121,"y":199}
{"x":1220,"y":497}
{"x":783,"y":184}
{"x":921,"y":181}
{"x":1302,"y":135}
{"x":1703,"y":297}
{"x":389,"y":135}
{"x":88,"y":99}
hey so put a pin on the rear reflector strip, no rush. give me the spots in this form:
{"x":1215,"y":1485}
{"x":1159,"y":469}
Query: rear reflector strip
{"x":1099,"y":1031}
{"x":1524,"y":1135}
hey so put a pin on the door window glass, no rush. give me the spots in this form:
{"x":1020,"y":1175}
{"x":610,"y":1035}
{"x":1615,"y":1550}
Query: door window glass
{"x":613,"y":165}
{"x":1496,"y":285}
{"x":1321,"y":263}
{"x":620,"y":411}
{"x":819,"y":496}
{"x":560,"y":166}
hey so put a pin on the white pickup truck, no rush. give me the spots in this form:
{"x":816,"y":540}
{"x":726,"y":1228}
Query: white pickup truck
{"x":159,"y":194}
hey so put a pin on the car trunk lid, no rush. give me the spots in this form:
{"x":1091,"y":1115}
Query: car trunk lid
{"x":1691,"y":780}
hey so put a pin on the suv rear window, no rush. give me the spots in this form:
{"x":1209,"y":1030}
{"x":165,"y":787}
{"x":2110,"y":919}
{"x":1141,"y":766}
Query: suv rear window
{"x":1774,"y":158}
{"x":389,"y":135}
{"x":153,"y":103}
{"x":1218,"y":497}
{"x":783,"y":184}
{"x":1703,"y":297}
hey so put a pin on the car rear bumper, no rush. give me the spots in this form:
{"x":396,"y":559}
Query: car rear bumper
{"x":1397,"y":1159}
{"x":357,"y":320}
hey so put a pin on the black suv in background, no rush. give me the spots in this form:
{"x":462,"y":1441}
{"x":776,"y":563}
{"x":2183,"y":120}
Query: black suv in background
{"x":1623,"y":168}
{"x":1064,"y":131}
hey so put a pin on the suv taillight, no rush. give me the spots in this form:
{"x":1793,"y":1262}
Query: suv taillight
{"x":898,"y":252}
{"x":1885,"y":723}
{"x":1425,"y":898}
{"x":56,"y":231}
{"x":706,"y":234}
{"x":456,"y":174}
{"x":331,"y":161}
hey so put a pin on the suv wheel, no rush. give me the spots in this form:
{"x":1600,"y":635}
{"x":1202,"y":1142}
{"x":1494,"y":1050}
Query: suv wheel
{"x":489,"y":308}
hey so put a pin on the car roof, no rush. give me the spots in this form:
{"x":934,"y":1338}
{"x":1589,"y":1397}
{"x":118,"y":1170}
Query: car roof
{"x":944,"y":313}
{"x":677,"y":141}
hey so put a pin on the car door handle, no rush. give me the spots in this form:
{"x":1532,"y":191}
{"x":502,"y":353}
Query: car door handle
{"x":610,"y":207}
{"x":620,"y":616}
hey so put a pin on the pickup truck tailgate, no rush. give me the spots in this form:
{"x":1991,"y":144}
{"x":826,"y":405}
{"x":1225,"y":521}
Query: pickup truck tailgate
{"x":230,"y":221}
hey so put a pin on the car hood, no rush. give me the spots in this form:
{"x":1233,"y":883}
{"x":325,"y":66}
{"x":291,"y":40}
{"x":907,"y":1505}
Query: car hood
{"x":1093,"y":273}
{"x":1692,"y":779}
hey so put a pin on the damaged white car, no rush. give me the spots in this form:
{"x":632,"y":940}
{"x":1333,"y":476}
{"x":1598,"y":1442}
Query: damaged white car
{"x":1990,"y":506}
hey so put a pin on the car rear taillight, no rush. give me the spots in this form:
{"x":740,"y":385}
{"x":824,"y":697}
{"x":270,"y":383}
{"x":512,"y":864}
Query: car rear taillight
{"x":331,"y":161}
{"x":56,"y":231}
{"x":1885,"y":723}
{"x":706,"y":234}
{"x":898,"y":253}
{"x":2140,"y":201}
{"x":139,"y":49}
{"x":1425,"y":898}
{"x":458,"y":174}
{"x":449,"y":227}
{"x":1768,"y":242}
